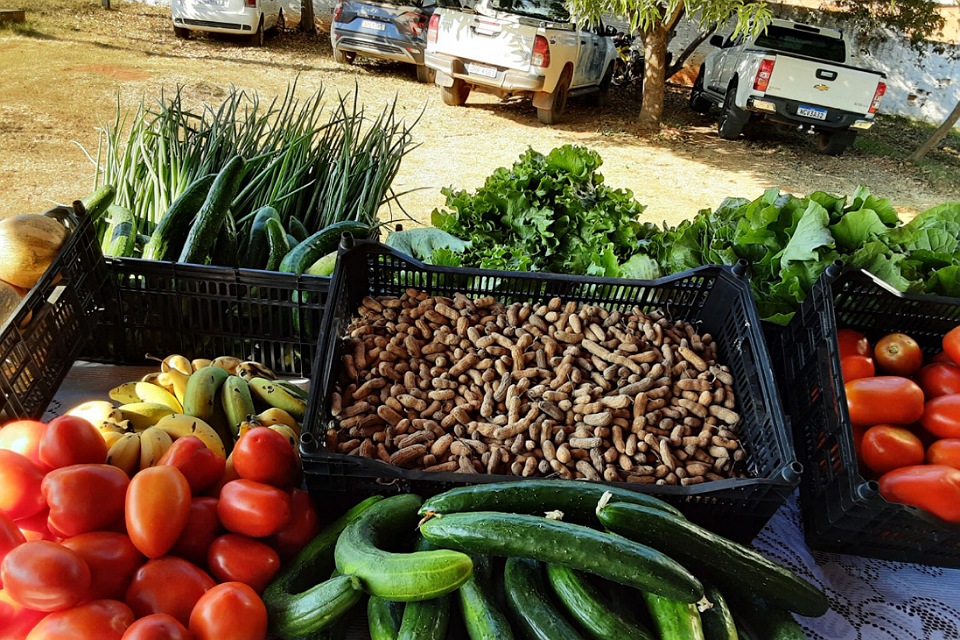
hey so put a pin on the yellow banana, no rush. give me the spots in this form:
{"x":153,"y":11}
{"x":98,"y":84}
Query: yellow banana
{"x":176,"y":362}
{"x":111,"y":437}
{"x":249,"y":369}
{"x":273,"y":415}
{"x":96,"y":412}
{"x":201,"y":394}
{"x":125,"y":453}
{"x":154,"y":442}
{"x":125,"y":393}
{"x":178,"y":381}
{"x":199,"y":363}
{"x":227,"y":363}
{"x":178,"y":425}
{"x":151,"y":377}
{"x":155,"y":393}
{"x":296,"y":390}
{"x":292,"y":437}
{"x":144,"y":414}
{"x":237,"y":402}
{"x":245,"y":426}
{"x":274,"y":395}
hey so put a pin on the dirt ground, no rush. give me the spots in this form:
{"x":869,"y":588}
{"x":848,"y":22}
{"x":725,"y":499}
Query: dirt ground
{"x":64,"y":73}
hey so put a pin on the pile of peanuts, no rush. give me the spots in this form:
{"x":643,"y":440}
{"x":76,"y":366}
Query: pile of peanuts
{"x":556,"y":389}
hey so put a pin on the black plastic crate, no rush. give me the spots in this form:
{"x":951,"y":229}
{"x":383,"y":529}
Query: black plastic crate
{"x":717,"y":299}
{"x":842,"y":510}
{"x":41,"y":339}
{"x":198,"y":311}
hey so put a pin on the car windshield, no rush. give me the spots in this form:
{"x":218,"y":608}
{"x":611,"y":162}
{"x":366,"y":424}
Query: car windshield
{"x":804,"y":43}
{"x":552,"y":10}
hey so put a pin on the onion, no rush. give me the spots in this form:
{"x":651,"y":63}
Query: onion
{"x":28,"y":244}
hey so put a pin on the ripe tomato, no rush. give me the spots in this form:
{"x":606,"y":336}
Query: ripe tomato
{"x":884,"y":400}
{"x":84,"y":497}
{"x":229,"y":473}
{"x":253,"y":508}
{"x":45,"y":576}
{"x":10,"y":537}
{"x":236,"y":558}
{"x":939,"y":379}
{"x":94,"y":620}
{"x":898,"y":354}
{"x":202,"y":528}
{"x":852,"y":343}
{"x":157,"y":509}
{"x":16,"y":620}
{"x":264,"y":455}
{"x":303,"y":526}
{"x":20,"y":480}
{"x":199,"y":464}
{"x":885,"y":447}
{"x":945,"y":451}
{"x":157,"y":626}
{"x":23,"y":436}
{"x":167,"y":585}
{"x":35,"y":527}
{"x":951,"y":345}
{"x":229,"y":610}
{"x":941,"y":416}
{"x":112,"y":560}
{"x":932,"y":487}
{"x":854,"y":367}
{"x":71,"y":440}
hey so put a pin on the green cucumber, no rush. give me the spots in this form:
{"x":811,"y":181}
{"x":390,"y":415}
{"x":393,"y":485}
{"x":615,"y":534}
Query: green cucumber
{"x":255,"y":256}
{"x":577,"y":499}
{"x":296,"y":229}
{"x":171,"y":231}
{"x":227,"y":245}
{"x":404,"y":577}
{"x":674,"y":620}
{"x":731,"y":564}
{"x":96,"y":203}
{"x":481,"y":616}
{"x":554,"y":541}
{"x":209,"y":220}
{"x":531,"y":605}
{"x":585,"y":605}
{"x":324,"y":266}
{"x":384,"y":618}
{"x":426,"y":619}
{"x":317,"y":608}
{"x":764,"y":619}
{"x":121,"y":237}
{"x":277,"y":244}
{"x":319,"y":244}
{"x":718,"y":622}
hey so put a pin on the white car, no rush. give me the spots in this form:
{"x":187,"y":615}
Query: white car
{"x":250,"y":18}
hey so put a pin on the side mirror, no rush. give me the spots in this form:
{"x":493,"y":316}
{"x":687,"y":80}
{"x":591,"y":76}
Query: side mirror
{"x":610,"y":31}
{"x":716,"y":41}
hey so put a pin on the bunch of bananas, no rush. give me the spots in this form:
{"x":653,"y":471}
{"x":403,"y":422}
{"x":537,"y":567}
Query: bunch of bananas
{"x":215,"y":400}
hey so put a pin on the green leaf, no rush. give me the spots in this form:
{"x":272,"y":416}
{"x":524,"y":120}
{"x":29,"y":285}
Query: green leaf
{"x":811,"y":234}
{"x":879,"y":260}
{"x":856,"y":228}
{"x":421,"y":243}
{"x":945,"y":282}
{"x":640,"y":267}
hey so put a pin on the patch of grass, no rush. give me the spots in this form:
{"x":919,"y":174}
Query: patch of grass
{"x":897,"y":137}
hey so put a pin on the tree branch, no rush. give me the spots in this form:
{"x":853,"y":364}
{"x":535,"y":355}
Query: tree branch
{"x":937,"y":135}
{"x":677,"y":63}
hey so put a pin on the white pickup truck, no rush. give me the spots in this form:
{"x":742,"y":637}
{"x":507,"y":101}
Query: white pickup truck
{"x":792,"y":74}
{"x":519,"y":48}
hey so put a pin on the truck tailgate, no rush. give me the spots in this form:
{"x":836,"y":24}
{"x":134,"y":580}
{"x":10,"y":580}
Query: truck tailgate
{"x":822,"y":83}
{"x":494,"y":41}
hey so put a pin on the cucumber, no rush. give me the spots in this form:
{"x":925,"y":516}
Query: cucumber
{"x":731,"y":564}
{"x":585,"y":605}
{"x":482,"y":617}
{"x":718,"y":622}
{"x":317,"y":608}
{"x":577,"y":499}
{"x":576,"y":546}
{"x":319,"y":244}
{"x":426,"y":619}
{"x":530,"y":602}
{"x":168,"y":236}
{"x":674,"y":620}
{"x":384,"y":618}
{"x":227,"y":245}
{"x":209,"y":220}
{"x":324,"y":266}
{"x":256,"y":253}
{"x":277,"y":244}
{"x":404,"y":577}
{"x":296,"y":229}
{"x":764,"y":619}
{"x":121,"y":237}
{"x":96,"y":203}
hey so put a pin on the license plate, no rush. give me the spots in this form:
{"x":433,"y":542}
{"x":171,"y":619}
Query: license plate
{"x":373,"y":24}
{"x":481,"y":70}
{"x":812,"y":112}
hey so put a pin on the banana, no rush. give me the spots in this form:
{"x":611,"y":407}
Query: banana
{"x":292,"y":437}
{"x":201,"y":394}
{"x":199,"y":363}
{"x":296,"y":390}
{"x":125,"y":453}
{"x":151,"y":377}
{"x":237,"y":402}
{"x":245,"y":426}
{"x":125,"y":393}
{"x":144,"y":414}
{"x":176,"y":362}
{"x":157,"y":394}
{"x":154,"y":442}
{"x":227,"y":363}
{"x":274,"y":395}
{"x":111,"y":437}
{"x":273,"y":415}
{"x":178,"y":381}
{"x":96,"y":412}
{"x":249,"y":369}
{"x":178,"y":425}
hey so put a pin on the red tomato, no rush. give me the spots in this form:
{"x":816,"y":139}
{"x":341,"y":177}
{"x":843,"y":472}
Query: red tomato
{"x":71,"y":440}
{"x":20,"y":480}
{"x":951,"y":345}
{"x":45,"y":576}
{"x":23,"y":436}
{"x":898,"y":354}
{"x":35,"y":527}
{"x":303,"y":525}
{"x":941,"y":416}
{"x":10,"y":537}
{"x":199,"y":464}
{"x":229,"y":474}
{"x":939,"y":379}
{"x":157,"y":626}
{"x":852,"y":343}
{"x":168,"y":585}
{"x":932,"y":487}
{"x":854,"y":367}
{"x":84,"y":497}
{"x":236,"y":558}
{"x":16,"y":620}
{"x":112,"y":560}
{"x":945,"y":452}
{"x":885,"y":447}
{"x":884,"y":400}
{"x":202,"y":528}
{"x":157,"y":509}
{"x":253,"y":508}
{"x":229,"y":610}
{"x":94,"y":620}
{"x":264,"y":455}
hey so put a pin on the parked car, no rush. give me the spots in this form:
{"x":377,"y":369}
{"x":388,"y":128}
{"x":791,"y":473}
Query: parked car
{"x":385,"y":29}
{"x":251,"y":18}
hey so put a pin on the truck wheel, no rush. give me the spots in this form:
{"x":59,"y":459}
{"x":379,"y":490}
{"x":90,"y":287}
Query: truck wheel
{"x":455,"y":95}
{"x":558,"y":101}
{"x":256,"y":40}
{"x":732,"y":119}
{"x":344,"y":57}
{"x":425,"y":74}
{"x":181,"y":32}
{"x":697,"y":102}
{"x":834,"y":143}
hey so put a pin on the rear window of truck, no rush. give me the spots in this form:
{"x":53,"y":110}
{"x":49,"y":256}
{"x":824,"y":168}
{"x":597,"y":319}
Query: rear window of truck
{"x":551,"y":10}
{"x":802,"y":42}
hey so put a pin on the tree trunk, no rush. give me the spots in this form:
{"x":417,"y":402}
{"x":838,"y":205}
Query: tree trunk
{"x":677,"y":63}
{"x":937,"y":135}
{"x":308,"y":20}
{"x":655,"y":40}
